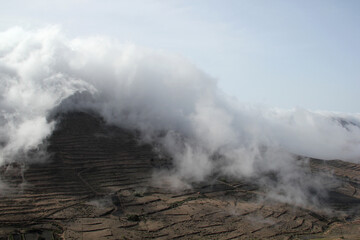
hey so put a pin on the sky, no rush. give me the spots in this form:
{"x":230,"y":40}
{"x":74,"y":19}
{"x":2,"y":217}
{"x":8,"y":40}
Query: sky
{"x":285,"y":54}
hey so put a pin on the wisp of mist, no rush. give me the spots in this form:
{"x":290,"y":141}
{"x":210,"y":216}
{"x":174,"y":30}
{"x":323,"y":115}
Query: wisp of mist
{"x":173,"y":104}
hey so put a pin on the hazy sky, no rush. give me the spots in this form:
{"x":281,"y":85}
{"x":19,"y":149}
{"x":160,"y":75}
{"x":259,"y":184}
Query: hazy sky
{"x":285,"y":54}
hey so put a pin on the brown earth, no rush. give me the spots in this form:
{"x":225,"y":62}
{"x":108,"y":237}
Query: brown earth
{"x":99,"y":185}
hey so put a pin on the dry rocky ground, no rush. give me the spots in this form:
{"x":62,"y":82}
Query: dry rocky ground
{"x":99,"y":185}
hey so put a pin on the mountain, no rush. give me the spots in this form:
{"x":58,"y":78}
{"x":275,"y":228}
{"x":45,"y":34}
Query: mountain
{"x":102,"y":182}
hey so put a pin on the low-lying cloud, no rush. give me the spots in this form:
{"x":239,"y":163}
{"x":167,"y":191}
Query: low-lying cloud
{"x":172,"y":103}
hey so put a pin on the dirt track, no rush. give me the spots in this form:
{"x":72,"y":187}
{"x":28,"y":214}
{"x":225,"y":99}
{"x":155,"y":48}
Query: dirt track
{"x":99,"y":185}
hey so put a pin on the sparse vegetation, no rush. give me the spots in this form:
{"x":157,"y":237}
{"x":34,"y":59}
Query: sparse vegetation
{"x":134,"y":218}
{"x":179,"y":203}
{"x":138,"y":194}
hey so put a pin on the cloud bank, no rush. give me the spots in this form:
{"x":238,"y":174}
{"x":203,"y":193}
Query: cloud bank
{"x":172,"y":103}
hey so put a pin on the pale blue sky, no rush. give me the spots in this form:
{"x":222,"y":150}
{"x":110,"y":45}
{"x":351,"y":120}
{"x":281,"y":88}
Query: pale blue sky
{"x":283,"y":54}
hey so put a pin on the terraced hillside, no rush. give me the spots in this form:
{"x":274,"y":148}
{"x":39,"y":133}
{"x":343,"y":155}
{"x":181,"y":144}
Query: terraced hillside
{"x":98,"y":184}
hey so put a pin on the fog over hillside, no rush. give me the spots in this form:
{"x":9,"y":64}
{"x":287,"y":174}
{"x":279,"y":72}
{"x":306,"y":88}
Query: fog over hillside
{"x":173,"y":104}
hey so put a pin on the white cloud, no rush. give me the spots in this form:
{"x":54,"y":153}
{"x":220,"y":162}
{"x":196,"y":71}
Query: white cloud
{"x":171,"y":102}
